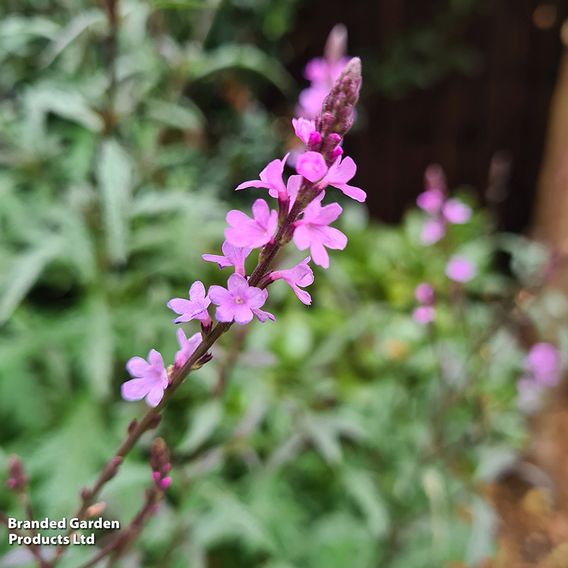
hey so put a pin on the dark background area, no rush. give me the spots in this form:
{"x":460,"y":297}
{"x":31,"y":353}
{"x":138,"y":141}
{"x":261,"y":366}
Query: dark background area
{"x":491,"y":99}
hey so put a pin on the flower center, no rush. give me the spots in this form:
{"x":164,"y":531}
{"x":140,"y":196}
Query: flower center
{"x":239,"y":300}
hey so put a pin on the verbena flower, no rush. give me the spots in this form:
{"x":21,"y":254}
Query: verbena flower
{"x":193,"y":309}
{"x":322,"y":72}
{"x":239,"y":302}
{"x":542,"y":371}
{"x":150,"y":379}
{"x":341,"y":172}
{"x":311,"y":165}
{"x":305,"y":130}
{"x":441,"y":210}
{"x":433,"y":230}
{"x":543,"y":364}
{"x":186,"y":346}
{"x":255,"y":232}
{"x":425,"y":293}
{"x":426,"y":312}
{"x":270,"y":178}
{"x":297,"y":278}
{"x":232,"y":256}
{"x":460,"y":269}
{"x":313,"y":231}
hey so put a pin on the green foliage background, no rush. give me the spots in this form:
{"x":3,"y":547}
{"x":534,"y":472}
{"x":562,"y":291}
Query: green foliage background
{"x":347,"y":435}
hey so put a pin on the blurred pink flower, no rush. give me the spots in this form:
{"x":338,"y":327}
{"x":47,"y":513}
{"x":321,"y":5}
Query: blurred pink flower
{"x":432,"y":231}
{"x":456,"y":212}
{"x":424,"y":314}
{"x":424,"y":293}
{"x":460,"y":269}
{"x":543,"y":364}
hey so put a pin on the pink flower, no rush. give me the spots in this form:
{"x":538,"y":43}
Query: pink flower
{"x":340,"y":172}
{"x":543,"y":364}
{"x":460,"y":269}
{"x":424,"y":315}
{"x":311,"y":165}
{"x":240,"y":302}
{"x":232,"y":256}
{"x":150,"y":379}
{"x":430,"y":201}
{"x":297,"y":277}
{"x":313,"y":232}
{"x":323,"y":71}
{"x":186,"y":346}
{"x":311,"y":99}
{"x":425,"y":293}
{"x":304,"y":128}
{"x":432,"y":231}
{"x":270,"y":178}
{"x":194,"y":308}
{"x":456,"y":212}
{"x":255,"y":232}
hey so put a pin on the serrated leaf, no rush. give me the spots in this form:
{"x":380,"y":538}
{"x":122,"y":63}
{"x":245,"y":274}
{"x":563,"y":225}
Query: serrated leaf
{"x":24,"y":275}
{"x":114,"y":177}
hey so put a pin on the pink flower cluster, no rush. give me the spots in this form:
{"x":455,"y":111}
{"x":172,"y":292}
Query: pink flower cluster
{"x":440,"y":209}
{"x":322,"y":72}
{"x":299,"y":216}
{"x":425,"y":312}
{"x":542,"y":371}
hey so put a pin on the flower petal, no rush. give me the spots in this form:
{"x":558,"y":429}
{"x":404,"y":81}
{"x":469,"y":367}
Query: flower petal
{"x":135,"y":389}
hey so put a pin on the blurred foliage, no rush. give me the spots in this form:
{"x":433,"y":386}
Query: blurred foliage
{"x":347,"y":435}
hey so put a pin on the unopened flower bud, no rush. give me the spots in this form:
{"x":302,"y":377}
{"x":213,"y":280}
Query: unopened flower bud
{"x":17,"y":478}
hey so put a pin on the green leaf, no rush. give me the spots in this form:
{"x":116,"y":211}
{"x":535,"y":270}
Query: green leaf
{"x":204,"y":423}
{"x":67,"y":35}
{"x":178,"y":4}
{"x":97,"y":357}
{"x":364,"y":491}
{"x":234,"y":56}
{"x":186,"y":116}
{"x":69,"y":457}
{"x":66,"y":103}
{"x":25,"y":273}
{"x":114,"y":177}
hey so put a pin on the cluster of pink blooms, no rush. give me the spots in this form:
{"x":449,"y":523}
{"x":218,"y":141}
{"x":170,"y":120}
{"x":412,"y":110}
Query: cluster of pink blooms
{"x":542,"y":371}
{"x":322,"y":72}
{"x":299,"y":216}
{"x":441,"y":210}
{"x":426,"y":297}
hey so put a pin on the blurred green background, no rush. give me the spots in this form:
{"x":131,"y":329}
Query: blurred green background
{"x":345,"y":434}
